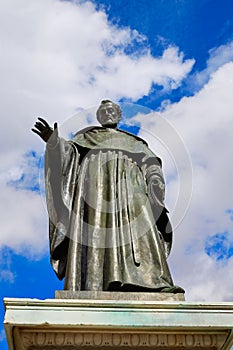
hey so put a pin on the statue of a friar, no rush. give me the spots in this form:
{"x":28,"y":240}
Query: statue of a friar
{"x":108,"y":226}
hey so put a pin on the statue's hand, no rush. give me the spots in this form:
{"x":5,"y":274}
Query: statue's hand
{"x":45,"y":131}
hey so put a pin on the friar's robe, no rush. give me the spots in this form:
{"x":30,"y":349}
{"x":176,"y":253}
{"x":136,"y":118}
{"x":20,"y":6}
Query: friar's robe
{"x":109,"y":228}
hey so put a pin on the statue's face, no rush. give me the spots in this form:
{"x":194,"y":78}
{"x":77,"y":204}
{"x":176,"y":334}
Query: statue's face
{"x":108,"y":115}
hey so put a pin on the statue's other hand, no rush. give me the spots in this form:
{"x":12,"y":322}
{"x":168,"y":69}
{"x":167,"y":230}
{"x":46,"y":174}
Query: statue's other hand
{"x":45,"y":131}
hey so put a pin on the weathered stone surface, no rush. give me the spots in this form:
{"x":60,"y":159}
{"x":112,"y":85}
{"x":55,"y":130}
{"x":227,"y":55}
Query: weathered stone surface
{"x":71,"y":324}
{"x":96,"y":295}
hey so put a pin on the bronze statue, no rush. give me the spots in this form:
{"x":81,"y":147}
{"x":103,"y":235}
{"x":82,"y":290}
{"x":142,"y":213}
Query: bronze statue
{"x":109,"y":228}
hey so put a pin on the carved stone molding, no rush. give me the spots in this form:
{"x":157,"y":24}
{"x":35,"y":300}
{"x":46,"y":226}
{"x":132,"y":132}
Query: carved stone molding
{"x":57,"y":339}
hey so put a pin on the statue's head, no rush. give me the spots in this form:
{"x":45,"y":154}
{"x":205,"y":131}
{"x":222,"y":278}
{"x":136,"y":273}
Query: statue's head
{"x":108,"y":114}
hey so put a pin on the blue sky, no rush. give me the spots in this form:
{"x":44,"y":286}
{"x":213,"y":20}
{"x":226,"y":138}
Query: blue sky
{"x":174,"y":57}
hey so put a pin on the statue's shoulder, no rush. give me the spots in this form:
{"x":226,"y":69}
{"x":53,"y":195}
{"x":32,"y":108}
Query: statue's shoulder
{"x":133,"y":135}
{"x":85,"y":130}
{"x":99,"y":128}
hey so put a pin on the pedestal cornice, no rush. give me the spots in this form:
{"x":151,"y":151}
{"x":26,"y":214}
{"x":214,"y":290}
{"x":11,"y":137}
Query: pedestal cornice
{"x":33,"y":324}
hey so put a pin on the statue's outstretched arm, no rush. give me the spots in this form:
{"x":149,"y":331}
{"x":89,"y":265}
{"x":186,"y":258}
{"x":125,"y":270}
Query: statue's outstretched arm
{"x":45,"y":131}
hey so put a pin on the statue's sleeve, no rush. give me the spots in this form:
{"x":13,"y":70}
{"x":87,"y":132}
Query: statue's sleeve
{"x":61,"y":167}
{"x":156,"y":193}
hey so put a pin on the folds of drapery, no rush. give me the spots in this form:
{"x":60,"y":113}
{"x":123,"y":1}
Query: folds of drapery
{"x":61,"y":170}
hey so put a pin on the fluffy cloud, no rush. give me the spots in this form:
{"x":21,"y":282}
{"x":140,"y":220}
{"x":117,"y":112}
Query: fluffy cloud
{"x":205,"y":124}
{"x":58,"y":56}
{"x":218,"y":56}
{"x":23,"y":221}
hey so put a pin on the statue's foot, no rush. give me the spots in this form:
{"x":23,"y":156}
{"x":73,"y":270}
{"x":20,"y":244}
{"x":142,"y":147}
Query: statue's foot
{"x":172,"y":289}
{"x":118,"y":287}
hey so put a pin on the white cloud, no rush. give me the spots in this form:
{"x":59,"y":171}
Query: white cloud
{"x":57,"y":56}
{"x":7,"y":275}
{"x":205,"y":123}
{"x":218,"y":56}
{"x":132,"y":78}
{"x":23,"y":221}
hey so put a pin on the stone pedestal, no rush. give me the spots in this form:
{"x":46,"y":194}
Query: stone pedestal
{"x":73,"y":324}
{"x":127,"y":296}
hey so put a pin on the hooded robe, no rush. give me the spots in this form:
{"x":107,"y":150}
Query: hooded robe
{"x":109,"y":228}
